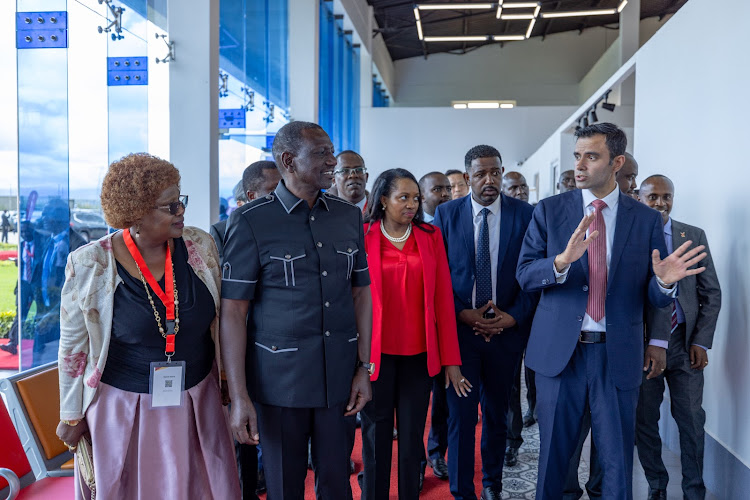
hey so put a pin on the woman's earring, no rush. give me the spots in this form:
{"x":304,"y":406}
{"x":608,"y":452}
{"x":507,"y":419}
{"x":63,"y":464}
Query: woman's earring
{"x":138,"y":229}
{"x":382,"y":207}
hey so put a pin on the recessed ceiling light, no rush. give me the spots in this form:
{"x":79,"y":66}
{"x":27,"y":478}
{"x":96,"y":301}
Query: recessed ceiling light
{"x":483,"y":105}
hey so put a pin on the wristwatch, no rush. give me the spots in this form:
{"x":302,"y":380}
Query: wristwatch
{"x":370,"y":367}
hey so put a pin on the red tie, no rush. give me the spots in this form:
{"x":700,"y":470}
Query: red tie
{"x":597,"y":265}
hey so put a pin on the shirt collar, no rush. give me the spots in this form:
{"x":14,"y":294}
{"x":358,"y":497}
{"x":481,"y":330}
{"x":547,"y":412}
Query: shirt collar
{"x":668,"y":227}
{"x":612,"y":199}
{"x":477,"y":208}
{"x":361,"y":203}
{"x":290,"y":201}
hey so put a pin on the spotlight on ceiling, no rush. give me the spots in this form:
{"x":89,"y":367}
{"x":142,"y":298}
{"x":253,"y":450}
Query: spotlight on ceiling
{"x":607,"y":105}
{"x":586,"y":120}
{"x":594,"y":118}
{"x":578,"y":127}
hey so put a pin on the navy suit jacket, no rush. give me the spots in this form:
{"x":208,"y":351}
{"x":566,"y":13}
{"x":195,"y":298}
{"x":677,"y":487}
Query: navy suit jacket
{"x":559,"y":315}
{"x":456,"y":222}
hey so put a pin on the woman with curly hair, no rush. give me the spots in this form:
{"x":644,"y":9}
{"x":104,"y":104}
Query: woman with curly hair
{"x":413,"y":332}
{"x":139,"y":346}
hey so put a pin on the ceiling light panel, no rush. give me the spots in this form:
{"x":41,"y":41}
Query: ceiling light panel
{"x":508,"y":38}
{"x":622,"y":5}
{"x":455,"y":6}
{"x":510,"y":17}
{"x":521,"y":5}
{"x":455,"y":38}
{"x":579,"y":13}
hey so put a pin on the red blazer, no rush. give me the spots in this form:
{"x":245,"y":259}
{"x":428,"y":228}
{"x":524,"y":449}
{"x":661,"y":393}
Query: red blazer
{"x":439,"y":311}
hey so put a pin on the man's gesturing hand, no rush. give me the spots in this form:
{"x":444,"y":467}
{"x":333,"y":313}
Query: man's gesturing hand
{"x":676,"y":265}
{"x":577,"y":244}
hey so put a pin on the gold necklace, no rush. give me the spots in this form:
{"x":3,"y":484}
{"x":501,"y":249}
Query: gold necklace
{"x":153,"y":306}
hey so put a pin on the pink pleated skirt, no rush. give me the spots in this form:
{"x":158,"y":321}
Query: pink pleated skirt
{"x":177,"y":453}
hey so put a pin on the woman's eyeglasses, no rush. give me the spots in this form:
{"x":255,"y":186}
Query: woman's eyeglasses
{"x":175,"y":206}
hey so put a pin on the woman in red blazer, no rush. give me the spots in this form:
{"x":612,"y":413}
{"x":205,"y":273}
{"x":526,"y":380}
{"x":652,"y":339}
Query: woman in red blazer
{"x":413,"y":331}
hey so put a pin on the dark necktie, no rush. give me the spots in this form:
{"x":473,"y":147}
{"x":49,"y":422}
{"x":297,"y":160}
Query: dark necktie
{"x":484,"y":263}
{"x":674,"y":316}
{"x":597,"y":265}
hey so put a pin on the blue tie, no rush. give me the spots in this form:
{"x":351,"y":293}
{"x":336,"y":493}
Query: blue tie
{"x":484,"y":263}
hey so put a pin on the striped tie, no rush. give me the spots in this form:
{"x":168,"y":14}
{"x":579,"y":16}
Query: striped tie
{"x":674,"y":316}
{"x":597,"y":265}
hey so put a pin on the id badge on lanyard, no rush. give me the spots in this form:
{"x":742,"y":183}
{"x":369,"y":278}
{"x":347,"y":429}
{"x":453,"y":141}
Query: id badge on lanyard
{"x":166,"y":378}
{"x":166,"y":383}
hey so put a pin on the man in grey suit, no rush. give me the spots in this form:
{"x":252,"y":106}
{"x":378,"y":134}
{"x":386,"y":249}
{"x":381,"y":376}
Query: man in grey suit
{"x":692,"y":321}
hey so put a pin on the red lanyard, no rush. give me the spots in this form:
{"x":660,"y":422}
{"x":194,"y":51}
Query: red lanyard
{"x":166,"y":297}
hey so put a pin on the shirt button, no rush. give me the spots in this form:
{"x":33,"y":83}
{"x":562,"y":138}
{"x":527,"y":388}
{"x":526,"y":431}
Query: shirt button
{"x":327,"y":334}
{"x":319,"y":244}
{"x":580,"y":318}
{"x":312,"y":217}
{"x":585,"y":288}
{"x":324,"y":273}
{"x":287,"y":256}
{"x":274,"y":348}
{"x":327,"y":304}
{"x":545,"y":281}
{"x":349,"y":250}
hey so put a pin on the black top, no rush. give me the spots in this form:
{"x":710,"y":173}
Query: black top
{"x":297,"y":266}
{"x":136,"y":340}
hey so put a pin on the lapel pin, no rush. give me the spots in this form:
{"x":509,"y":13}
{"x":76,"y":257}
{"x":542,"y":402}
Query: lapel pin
{"x":682,"y":233}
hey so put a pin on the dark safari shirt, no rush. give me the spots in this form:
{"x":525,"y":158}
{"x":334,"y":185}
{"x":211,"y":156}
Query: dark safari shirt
{"x":297,"y":266}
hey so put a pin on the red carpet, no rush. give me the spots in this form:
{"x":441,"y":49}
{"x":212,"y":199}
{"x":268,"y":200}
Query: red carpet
{"x":434,"y":488}
{"x":8,"y":254}
{"x":9,"y":361}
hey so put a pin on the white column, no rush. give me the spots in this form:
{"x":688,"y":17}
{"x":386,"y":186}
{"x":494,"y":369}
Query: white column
{"x":303,"y":59}
{"x":194,"y":105}
{"x":630,"y":33}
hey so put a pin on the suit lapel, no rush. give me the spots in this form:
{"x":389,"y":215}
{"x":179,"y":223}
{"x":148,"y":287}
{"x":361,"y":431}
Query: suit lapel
{"x":623,"y":224}
{"x":679,"y":235}
{"x":466,"y":223}
{"x":573,"y":215}
{"x":507,"y":220}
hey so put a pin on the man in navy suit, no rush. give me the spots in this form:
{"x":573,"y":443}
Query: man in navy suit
{"x":483,"y":234}
{"x":587,"y":251}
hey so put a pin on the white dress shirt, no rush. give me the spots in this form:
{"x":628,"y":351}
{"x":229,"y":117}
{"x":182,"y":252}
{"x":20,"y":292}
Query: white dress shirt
{"x":610,"y":223}
{"x":493,"y":223}
{"x":428,"y":218}
{"x":361,"y":203}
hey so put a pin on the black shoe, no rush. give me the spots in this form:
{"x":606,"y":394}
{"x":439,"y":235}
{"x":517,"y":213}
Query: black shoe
{"x":511,"y":457}
{"x":529,"y":419}
{"x":358,"y":420}
{"x":9,"y":348}
{"x":491,"y":493}
{"x":351,"y":466}
{"x":657,"y":494}
{"x":395,"y":434}
{"x":360,"y":479}
{"x":261,"y":488}
{"x":421,"y":480}
{"x":309,"y":456}
{"x":439,"y":467}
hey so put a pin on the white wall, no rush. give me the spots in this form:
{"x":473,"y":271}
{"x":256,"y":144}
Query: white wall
{"x":426,"y":139}
{"x":691,"y":124}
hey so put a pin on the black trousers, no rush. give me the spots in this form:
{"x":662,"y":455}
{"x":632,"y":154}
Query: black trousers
{"x":515,"y":415}
{"x":247,"y":465}
{"x":437,"y":440}
{"x":404,"y":386}
{"x":686,"y":392}
{"x":286,"y":432}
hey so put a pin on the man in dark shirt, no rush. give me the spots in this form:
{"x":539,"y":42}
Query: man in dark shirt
{"x":298,"y":257}
{"x":258,"y":179}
